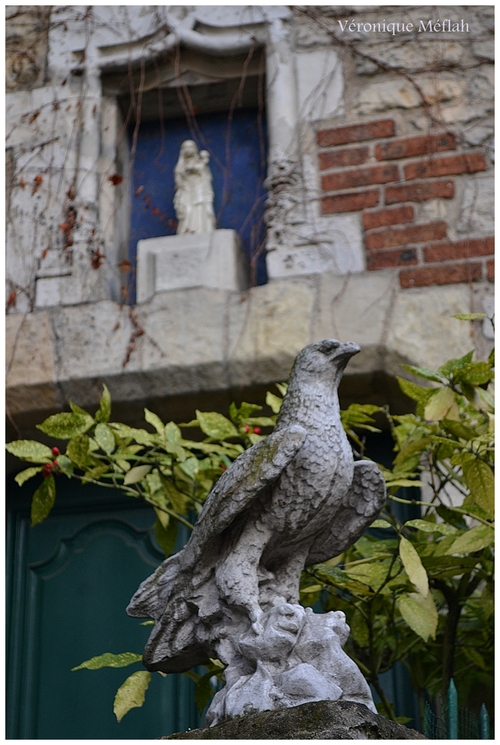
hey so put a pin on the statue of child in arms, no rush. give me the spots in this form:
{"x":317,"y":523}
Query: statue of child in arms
{"x":194,"y":195}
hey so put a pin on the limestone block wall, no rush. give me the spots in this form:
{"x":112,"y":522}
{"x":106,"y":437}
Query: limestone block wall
{"x":379,"y":208}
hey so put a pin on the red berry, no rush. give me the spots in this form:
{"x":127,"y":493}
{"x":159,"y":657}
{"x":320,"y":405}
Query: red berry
{"x":246,"y":428}
{"x":56,"y":451}
{"x":223,"y":468}
{"x":46,"y":470}
{"x":54,"y":464}
{"x":257,"y":430}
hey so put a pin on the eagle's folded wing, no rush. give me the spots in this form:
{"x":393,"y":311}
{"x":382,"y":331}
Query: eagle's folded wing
{"x":250,"y":474}
{"x":361,"y":505}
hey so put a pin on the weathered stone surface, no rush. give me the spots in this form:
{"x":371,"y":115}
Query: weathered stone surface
{"x":422,"y":324}
{"x":208,"y":340}
{"x":26,"y":46}
{"x":293,"y":499}
{"x":319,"y":84}
{"x":203,"y":259}
{"x":401,"y":94}
{"x":321,"y":720}
{"x":333,"y":245}
{"x":477,"y":210}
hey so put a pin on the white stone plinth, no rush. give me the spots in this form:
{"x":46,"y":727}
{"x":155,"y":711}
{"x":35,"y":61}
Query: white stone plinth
{"x":177,"y":262}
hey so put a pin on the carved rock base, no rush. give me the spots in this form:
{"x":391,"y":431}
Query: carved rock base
{"x":213,"y":259}
{"x":320,"y":720}
{"x":291,"y":656}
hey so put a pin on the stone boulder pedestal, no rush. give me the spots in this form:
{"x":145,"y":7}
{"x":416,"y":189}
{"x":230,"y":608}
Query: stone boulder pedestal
{"x":319,"y":720}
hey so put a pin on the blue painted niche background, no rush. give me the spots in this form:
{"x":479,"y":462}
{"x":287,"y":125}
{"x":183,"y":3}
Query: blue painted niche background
{"x":238,"y":165}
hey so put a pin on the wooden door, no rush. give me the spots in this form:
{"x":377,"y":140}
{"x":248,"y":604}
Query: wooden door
{"x":69,"y":581}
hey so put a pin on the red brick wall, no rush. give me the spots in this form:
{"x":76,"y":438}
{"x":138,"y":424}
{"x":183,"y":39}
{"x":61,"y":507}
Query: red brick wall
{"x":366,"y":168}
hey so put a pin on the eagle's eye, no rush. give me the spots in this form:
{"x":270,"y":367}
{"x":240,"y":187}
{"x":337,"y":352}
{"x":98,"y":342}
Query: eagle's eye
{"x":328,"y":346}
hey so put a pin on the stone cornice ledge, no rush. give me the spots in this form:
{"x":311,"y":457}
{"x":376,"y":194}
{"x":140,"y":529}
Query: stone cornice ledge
{"x":207,"y":340}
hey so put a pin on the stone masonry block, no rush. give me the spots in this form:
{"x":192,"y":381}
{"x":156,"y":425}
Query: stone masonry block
{"x":422,"y":324}
{"x":214,"y":259}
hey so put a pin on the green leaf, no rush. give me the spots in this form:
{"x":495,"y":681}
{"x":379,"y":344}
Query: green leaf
{"x":104,"y":411}
{"x":105,"y":438}
{"x":481,"y":484}
{"x":66,"y":425}
{"x":425,"y":372}
{"x":404,"y":482}
{"x":131,"y":694}
{"x":474,"y":539}
{"x":274,"y":402}
{"x":95,"y":473}
{"x":139,"y":435}
{"x":65,"y":465}
{"x":311,"y":588}
{"x":215,"y":425}
{"x":413,"y":565}
{"x":204,"y":691}
{"x":260,"y":421}
{"x":28,"y":473}
{"x":243,"y":412}
{"x":282,"y":387}
{"x":372,"y":574}
{"x":30,"y":451}
{"x":174,"y":496}
{"x":78,"y":450}
{"x":43,"y":500}
{"x":452,"y":516}
{"x":190,"y":466}
{"x":154,"y":420}
{"x":469,"y":316}
{"x":420,"y":614}
{"x":78,"y":410}
{"x":136,"y":474}
{"x":109,"y":660}
{"x":452,"y":366}
{"x":380,"y":524}
{"x":173,"y":433}
{"x":166,"y":532}
{"x":412,"y":448}
{"x":441,"y":404}
{"x":331,"y":575}
{"x":427,"y":527}
{"x":414,"y":391}
{"x":475,"y":373}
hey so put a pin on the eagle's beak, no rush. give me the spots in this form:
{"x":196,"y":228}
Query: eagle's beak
{"x":346,"y":351}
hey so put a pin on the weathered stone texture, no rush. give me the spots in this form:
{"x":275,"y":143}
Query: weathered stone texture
{"x":208,"y":340}
{"x":26,"y":46}
{"x":321,"y":720}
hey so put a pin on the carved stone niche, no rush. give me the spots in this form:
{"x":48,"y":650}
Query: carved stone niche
{"x":214,"y":259}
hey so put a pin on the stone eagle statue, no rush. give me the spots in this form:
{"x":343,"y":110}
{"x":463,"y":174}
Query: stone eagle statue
{"x":294,"y":499}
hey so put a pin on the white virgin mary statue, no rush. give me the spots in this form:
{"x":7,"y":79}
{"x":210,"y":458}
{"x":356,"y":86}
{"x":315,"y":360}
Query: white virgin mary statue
{"x":194,"y":195}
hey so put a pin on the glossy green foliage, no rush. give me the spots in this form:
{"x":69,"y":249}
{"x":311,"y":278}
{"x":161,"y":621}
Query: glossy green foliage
{"x":421,"y":590}
{"x":418,"y":591}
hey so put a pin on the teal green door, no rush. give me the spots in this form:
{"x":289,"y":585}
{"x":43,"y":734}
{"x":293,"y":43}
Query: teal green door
{"x":69,"y":581}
